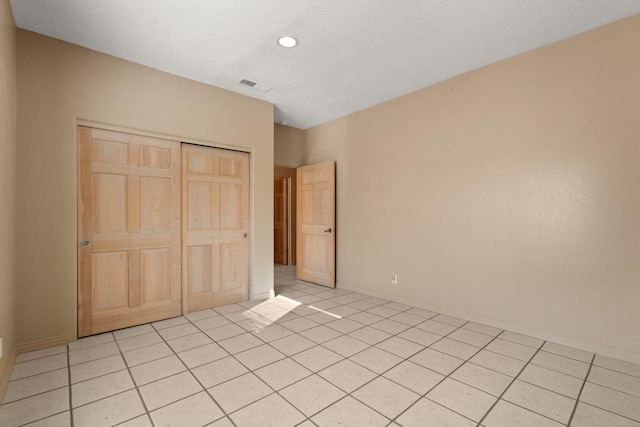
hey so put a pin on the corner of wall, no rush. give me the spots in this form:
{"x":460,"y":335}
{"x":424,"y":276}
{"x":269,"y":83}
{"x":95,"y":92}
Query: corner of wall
{"x":7,"y":191}
{"x":289,"y":146}
{"x":505,"y":195}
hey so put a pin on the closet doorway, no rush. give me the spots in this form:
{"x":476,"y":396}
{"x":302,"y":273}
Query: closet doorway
{"x":163,"y":229}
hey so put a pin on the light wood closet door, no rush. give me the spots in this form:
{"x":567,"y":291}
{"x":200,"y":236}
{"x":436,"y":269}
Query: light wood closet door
{"x":128,"y":231}
{"x":316,"y":220}
{"x":215,"y":227}
{"x":280,"y":228}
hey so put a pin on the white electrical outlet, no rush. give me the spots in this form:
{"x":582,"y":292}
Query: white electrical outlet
{"x":394,"y":279}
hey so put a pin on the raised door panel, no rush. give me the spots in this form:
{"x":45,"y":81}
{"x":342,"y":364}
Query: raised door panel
{"x":110,"y":279}
{"x":155,"y":204}
{"x":199,"y":269}
{"x":215,"y":242}
{"x":155,"y":276}
{"x":129,"y":217}
{"x":230,"y":206}
{"x":110,"y":203}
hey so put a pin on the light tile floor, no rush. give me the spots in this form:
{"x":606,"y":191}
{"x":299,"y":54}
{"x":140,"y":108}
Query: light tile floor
{"x":319,"y":357}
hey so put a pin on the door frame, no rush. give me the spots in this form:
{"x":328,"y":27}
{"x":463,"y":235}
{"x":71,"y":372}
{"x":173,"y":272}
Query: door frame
{"x":290,"y":174}
{"x":187,"y":140}
{"x":288,"y":222}
{"x":287,"y":226}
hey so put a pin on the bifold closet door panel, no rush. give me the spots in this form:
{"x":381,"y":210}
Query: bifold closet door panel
{"x":215,"y":227}
{"x":128,"y":230}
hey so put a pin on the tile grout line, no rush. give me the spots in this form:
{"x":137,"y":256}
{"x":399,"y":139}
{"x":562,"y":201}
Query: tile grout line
{"x":274,"y":391}
{"x":342,"y":334}
{"x":575,"y":407}
{"x":509,"y":386}
{"x":135,"y":385}
{"x":39,"y":393}
{"x":407,"y":359}
{"x":66,"y":352}
{"x":204,"y":389}
{"x":424,"y":395}
{"x":71,"y":422}
{"x":307,"y":418}
{"x":616,"y":371}
{"x":616,"y":390}
{"x":317,"y":344}
{"x":392,"y":420}
{"x":272,"y":321}
{"x":148,"y":413}
{"x":349,"y":394}
{"x":251,"y":371}
{"x":226,"y":415}
{"x":41,"y":373}
{"x":610,"y":412}
{"x":556,"y":370}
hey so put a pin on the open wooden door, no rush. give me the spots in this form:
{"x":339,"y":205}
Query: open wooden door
{"x":280,"y":219}
{"x":316,"y":218}
{"x":128,"y":230}
{"x":215,"y":227}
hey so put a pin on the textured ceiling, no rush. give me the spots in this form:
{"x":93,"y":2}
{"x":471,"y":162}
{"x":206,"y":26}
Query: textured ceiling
{"x":352,"y":54}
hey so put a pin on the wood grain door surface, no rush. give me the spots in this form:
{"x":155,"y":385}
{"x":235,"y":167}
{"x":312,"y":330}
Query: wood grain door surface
{"x":215,"y":227}
{"x":280,"y":226}
{"x":128,"y":230}
{"x":316,"y":224}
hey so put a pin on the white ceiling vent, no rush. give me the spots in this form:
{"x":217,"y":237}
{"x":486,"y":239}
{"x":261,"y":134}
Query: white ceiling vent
{"x":248,"y":82}
{"x":255,"y":85}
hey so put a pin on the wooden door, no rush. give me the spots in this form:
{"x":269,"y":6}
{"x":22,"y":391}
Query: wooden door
{"x":316,"y":238}
{"x":128,"y":230}
{"x":215,"y":227}
{"x":280,"y":221}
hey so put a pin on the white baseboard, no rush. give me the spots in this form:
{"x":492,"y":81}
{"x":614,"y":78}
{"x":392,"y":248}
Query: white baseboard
{"x":263,"y":296}
{"x":604,"y":350}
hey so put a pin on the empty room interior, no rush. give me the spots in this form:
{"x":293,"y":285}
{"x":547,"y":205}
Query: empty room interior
{"x":400,"y":214}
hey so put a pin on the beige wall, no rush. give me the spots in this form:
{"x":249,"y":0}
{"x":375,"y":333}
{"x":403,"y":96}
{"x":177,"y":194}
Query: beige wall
{"x":60,"y":83}
{"x":509,"y":195}
{"x":7,"y":189}
{"x":288,"y":146}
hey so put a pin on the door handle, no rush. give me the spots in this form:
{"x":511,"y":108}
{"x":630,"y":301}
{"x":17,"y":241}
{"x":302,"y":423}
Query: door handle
{"x":85,"y":243}
{"x":328,"y":230}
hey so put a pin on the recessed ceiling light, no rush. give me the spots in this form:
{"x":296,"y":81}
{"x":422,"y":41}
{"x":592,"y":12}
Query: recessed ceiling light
{"x":287,"y":41}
